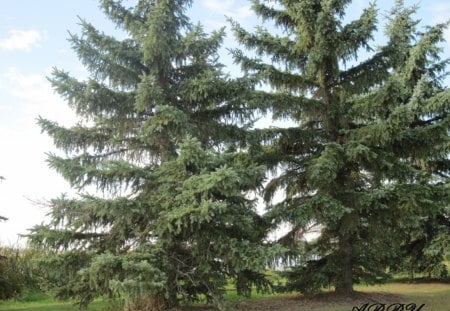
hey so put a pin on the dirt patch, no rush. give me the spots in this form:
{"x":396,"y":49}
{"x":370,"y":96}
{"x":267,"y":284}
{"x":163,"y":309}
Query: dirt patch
{"x":325,"y":300}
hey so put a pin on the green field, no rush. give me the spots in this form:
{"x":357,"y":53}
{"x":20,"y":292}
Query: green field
{"x":50,"y":305}
{"x":435,"y":296}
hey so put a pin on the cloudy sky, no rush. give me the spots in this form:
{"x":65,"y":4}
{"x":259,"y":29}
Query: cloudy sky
{"x":33,"y":40}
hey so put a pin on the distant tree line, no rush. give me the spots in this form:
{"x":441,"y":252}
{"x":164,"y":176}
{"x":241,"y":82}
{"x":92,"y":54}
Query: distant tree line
{"x":1,"y":217}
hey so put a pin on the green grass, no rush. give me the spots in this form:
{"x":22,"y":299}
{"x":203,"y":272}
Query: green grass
{"x":435,"y":296}
{"x":51,"y":305}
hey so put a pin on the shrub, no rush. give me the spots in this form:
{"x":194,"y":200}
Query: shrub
{"x":17,"y":271}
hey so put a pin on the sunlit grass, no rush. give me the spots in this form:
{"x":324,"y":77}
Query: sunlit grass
{"x":51,"y":305}
{"x":405,"y":288}
{"x":435,"y":296}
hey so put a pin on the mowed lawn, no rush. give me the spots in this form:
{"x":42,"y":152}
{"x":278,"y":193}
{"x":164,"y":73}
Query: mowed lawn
{"x":435,"y":296}
{"x":49,"y":305}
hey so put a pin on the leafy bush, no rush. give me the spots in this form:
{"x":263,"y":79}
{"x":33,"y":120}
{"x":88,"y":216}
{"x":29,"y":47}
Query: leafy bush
{"x":17,"y":271}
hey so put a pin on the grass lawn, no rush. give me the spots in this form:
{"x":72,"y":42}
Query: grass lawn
{"x":435,"y":296}
{"x":50,"y":305}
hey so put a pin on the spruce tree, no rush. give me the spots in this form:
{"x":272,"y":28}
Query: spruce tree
{"x":159,"y":137}
{"x":367,"y":159}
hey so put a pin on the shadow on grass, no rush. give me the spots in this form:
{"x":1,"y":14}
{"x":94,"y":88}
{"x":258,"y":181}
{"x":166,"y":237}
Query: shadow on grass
{"x":435,"y":296}
{"x":320,"y":301}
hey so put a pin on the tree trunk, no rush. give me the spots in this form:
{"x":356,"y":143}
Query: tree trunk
{"x":344,"y":284}
{"x":172,"y":300}
{"x":172,"y":282}
{"x":150,"y":303}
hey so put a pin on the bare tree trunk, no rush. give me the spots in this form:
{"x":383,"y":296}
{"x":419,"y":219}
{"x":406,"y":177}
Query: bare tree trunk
{"x":172,"y":300}
{"x":344,"y":285}
{"x":150,"y":303}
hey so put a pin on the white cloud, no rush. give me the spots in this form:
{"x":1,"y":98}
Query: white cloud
{"x":35,"y":96}
{"x":23,"y":97}
{"x":20,"y":40}
{"x":218,"y":5}
{"x":244,"y":12}
{"x":441,"y":12}
{"x":229,"y":8}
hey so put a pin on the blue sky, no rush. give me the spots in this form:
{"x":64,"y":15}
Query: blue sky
{"x":33,"y":39}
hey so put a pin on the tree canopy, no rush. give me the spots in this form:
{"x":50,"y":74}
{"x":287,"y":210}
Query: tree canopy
{"x":160,"y":136}
{"x":168,"y":163}
{"x":367,"y":159}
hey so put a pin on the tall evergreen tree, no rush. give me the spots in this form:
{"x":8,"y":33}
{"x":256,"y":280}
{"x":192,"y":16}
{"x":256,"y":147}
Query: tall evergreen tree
{"x":367,"y":159}
{"x":174,"y":219}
